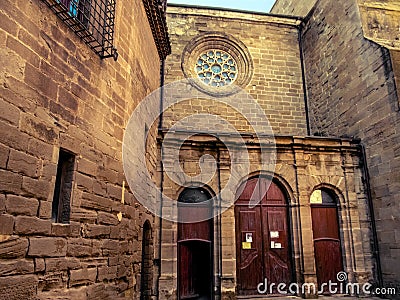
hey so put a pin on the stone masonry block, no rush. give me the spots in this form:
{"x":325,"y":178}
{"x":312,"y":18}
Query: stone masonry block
{"x":96,"y":202}
{"x":10,"y":113}
{"x":18,"y":287}
{"x":16,"y":267}
{"x":96,"y":231}
{"x":72,"y":229}
{"x":107,"y":273}
{"x":2,"y":203}
{"x":47,"y":247}
{"x":7,"y":224}
{"x":88,"y":167}
{"x":107,"y":218}
{"x":39,"y":189}
{"x":21,"y":206}
{"x":10,"y":182}
{"x":40,"y":265}
{"x":13,"y":247}
{"x":79,"y":247}
{"x":57,"y":264}
{"x":4,"y":153}
{"x":32,"y":225}
{"x":82,"y":276}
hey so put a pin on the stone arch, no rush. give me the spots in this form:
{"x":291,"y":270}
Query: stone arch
{"x":277,"y":178}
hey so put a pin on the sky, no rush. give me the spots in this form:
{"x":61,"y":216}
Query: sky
{"x":252,"y":5}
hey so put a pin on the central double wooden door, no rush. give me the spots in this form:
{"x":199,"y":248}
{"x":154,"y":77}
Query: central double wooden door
{"x":262,"y":236}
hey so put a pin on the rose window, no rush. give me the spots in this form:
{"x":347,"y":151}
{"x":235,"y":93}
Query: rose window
{"x":216,"y":68}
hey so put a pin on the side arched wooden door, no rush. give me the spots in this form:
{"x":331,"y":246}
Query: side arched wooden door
{"x":195,"y":245}
{"x":327,"y":246}
{"x":262,"y":236}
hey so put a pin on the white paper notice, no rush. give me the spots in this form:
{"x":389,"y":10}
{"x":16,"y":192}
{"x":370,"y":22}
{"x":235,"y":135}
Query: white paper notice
{"x":249,"y":237}
{"x":274,"y":234}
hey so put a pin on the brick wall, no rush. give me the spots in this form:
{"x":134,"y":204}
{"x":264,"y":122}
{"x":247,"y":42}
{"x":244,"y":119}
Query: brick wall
{"x":55,"y":92}
{"x":352,"y":93}
{"x":276,"y":83}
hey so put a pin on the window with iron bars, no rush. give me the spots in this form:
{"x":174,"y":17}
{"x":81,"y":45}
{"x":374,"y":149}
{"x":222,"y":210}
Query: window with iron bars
{"x":91,"y":20}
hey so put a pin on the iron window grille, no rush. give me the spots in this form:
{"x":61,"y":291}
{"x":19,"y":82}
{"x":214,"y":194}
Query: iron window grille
{"x":91,"y":20}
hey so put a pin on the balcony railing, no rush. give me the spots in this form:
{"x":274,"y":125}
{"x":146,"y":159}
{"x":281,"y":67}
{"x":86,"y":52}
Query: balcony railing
{"x":91,"y":20}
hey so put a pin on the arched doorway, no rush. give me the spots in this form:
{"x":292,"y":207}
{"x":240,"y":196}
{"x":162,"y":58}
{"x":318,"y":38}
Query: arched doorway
{"x":146,"y":274}
{"x":195,"y":244}
{"x":263,"y":246}
{"x":327,"y":246}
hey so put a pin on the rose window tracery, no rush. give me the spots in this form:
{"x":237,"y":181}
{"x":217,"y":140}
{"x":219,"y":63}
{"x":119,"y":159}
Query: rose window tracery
{"x":216,"y":68}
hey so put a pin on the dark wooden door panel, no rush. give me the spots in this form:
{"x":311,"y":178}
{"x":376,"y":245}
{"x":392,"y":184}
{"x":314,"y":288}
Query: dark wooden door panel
{"x":250,"y":260}
{"x":325,"y":222}
{"x":276,"y":242}
{"x":186,"y":281}
{"x":195,"y":270}
{"x":328,"y":260}
{"x":327,"y":247}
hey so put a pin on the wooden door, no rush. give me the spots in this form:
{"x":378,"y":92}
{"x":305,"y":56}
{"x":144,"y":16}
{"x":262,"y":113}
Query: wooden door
{"x":194,"y":247}
{"x":262,"y":236}
{"x":327,"y":247}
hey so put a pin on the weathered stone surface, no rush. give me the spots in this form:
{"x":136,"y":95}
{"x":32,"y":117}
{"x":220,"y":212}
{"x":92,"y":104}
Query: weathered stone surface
{"x":10,"y":182}
{"x":4,"y":152}
{"x":107,"y":218}
{"x":39,"y":189}
{"x":47,"y":247}
{"x":45,"y":209}
{"x":85,"y":182}
{"x":23,"y":163}
{"x":18,"y":287}
{"x":83,"y":276}
{"x":7,"y":224}
{"x":2,"y":203}
{"x":40,"y":265}
{"x":110,"y":247}
{"x":72,"y":229}
{"x":88,"y":167}
{"x":80,"y":247}
{"x":53,"y":281}
{"x":16,"y":267}
{"x":21,"y":206}
{"x":55,"y":92}
{"x":96,"y":202}
{"x":13,"y":247}
{"x":61,"y":264}
{"x":363,"y":103}
{"x":293,"y":7}
{"x":107,"y":273}
{"x":31,"y":225}
{"x":96,"y":231}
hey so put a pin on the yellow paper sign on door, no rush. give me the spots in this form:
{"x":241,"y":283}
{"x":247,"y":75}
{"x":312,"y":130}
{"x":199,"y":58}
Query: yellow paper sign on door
{"x":246,"y":245}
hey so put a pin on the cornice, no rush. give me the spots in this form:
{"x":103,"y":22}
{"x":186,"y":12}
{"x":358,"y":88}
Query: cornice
{"x":155,"y":10}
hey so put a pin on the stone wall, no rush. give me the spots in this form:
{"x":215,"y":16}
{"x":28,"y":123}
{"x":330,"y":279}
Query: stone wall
{"x":56,"y":92}
{"x":293,"y":7}
{"x":273,"y":69}
{"x":351,"y":92}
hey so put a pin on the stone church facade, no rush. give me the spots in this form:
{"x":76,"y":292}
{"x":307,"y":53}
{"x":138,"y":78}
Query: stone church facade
{"x":286,"y":126}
